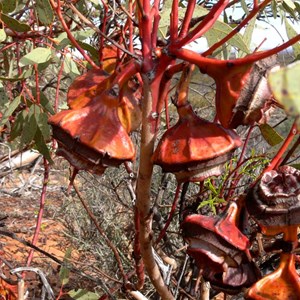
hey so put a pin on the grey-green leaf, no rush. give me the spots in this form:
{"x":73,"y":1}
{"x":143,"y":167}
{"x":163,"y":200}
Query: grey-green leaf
{"x":44,"y":11}
{"x":14,"y":24}
{"x":83,"y":295}
{"x":291,"y":32}
{"x":10,"y":109}
{"x":18,"y":125}
{"x":41,"y":146}
{"x":8,"y":5}
{"x":38,"y":55}
{"x":271,"y":136}
{"x":42,"y":122}
{"x":64,"y":271}
{"x":30,"y":125}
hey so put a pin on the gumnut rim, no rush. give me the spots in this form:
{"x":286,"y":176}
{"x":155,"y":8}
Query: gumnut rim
{"x":275,"y":199}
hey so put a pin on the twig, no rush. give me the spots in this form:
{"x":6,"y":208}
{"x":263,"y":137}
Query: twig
{"x":181,"y":276}
{"x":42,"y":276}
{"x":58,"y":261}
{"x":41,"y":211}
{"x":102,"y":233}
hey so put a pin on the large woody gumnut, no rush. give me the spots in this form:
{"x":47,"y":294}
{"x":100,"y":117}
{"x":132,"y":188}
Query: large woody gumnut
{"x":275,"y":205}
{"x":93,"y":134}
{"x":220,"y":250}
{"x":275,"y":200}
{"x":194,"y":148}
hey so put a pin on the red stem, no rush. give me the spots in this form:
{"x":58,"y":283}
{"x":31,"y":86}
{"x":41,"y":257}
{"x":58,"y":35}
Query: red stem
{"x":174,"y":22}
{"x":171,"y":215}
{"x":41,"y":212}
{"x":201,"y":61}
{"x":187,"y":18}
{"x":60,"y":72}
{"x":37,"y":85}
{"x":71,"y":37}
{"x":102,"y":28}
{"x":130,"y":27}
{"x":145,"y":28}
{"x":205,"y":25}
{"x":156,"y":18}
{"x":279,"y":156}
{"x":236,"y":29}
{"x":236,"y":179}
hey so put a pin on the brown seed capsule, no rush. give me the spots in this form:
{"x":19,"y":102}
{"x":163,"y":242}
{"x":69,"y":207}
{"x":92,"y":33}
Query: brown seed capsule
{"x":220,"y":250}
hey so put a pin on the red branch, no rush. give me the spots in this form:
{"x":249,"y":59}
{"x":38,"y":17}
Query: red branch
{"x":205,"y":25}
{"x":70,"y":35}
{"x":41,"y":211}
{"x":171,"y":215}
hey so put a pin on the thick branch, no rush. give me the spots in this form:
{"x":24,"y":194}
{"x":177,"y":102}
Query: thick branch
{"x":143,"y":193}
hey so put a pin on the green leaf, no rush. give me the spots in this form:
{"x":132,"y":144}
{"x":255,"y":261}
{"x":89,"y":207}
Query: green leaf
{"x":30,"y":125}
{"x":44,"y":101}
{"x":70,"y":67}
{"x":2,"y":35}
{"x":291,"y":32}
{"x":271,"y":136}
{"x":289,"y":7}
{"x":247,"y":36}
{"x":8,"y":5}
{"x":220,"y":30}
{"x":83,"y":295}
{"x":64,"y":271}
{"x":284,"y":84}
{"x":93,"y":52}
{"x":216,"y":33}
{"x":41,"y":145}
{"x":42,"y":122}
{"x":10,"y":109}
{"x":14,"y":24}
{"x":44,"y":11}
{"x":3,"y":96}
{"x":23,"y":76}
{"x":38,"y":55}
{"x":18,"y":125}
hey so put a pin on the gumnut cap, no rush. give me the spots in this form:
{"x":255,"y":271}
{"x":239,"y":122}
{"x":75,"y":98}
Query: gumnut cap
{"x":195,"y":147}
{"x":275,"y":199}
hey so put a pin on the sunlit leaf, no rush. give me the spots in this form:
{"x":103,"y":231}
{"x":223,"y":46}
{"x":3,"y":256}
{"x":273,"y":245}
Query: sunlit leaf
{"x":291,"y":32}
{"x":284,"y":83}
{"x":247,"y":36}
{"x":83,"y":295}
{"x":70,"y":67}
{"x":38,"y":55}
{"x":14,"y":24}
{"x":2,"y":35}
{"x":271,"y":136}
{"x":44,"y":11}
